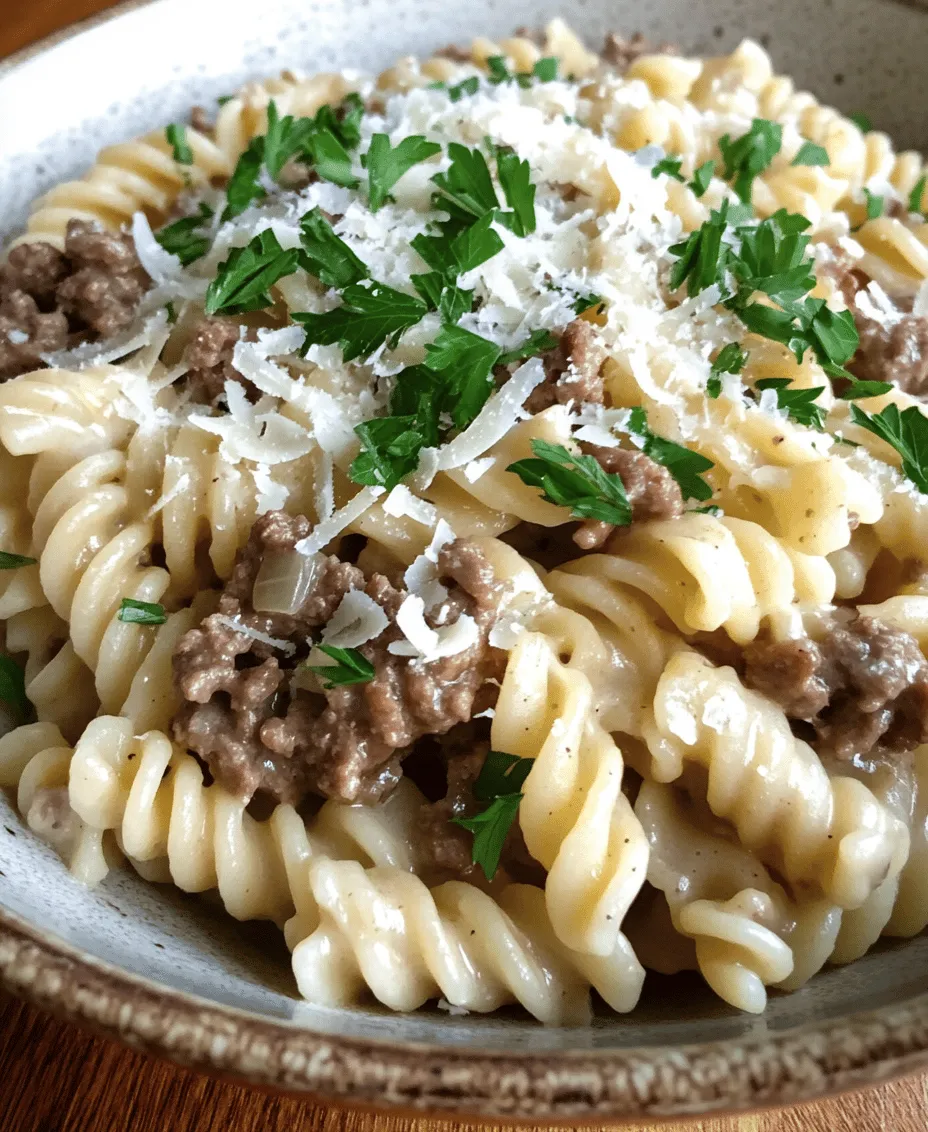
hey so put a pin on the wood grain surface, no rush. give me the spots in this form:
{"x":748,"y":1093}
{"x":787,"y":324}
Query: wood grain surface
{"x":55,"y":1077}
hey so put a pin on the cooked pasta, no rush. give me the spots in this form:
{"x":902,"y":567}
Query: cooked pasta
{"x":473,"y":516}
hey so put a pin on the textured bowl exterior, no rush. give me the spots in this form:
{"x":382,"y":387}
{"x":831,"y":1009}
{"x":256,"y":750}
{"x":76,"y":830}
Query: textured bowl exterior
{"x":168,"y":974}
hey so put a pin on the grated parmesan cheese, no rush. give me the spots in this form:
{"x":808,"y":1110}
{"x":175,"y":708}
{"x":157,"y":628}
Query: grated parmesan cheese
{"x":238,"y":626}
{"x":357,"y":620}
{"x":330,"y":528}
{"x":401,"y":502}
{"x":426,"y":644}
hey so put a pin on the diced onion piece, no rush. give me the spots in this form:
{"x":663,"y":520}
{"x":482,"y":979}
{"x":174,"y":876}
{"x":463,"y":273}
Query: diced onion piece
{"x":284,"y":582}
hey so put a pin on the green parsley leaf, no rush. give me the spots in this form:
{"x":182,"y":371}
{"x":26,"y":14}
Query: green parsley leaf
{"x":811,"y":154}
{"x":587,"y":302}
{"x":777,"y":325}
{"x":141,"y":612}
{"x":171,"y":311}
{"x":284,"y":138}
{"x":772,"y":259}
{"x":832,"y":335}
{"x":798,"y":403}
{"x":368,"y":316}
{"x":501,"y":774}
{"x":351,"y":667}
{"x":243,"y":187}
{"x":224,"y":98}
{"x":468,"y":86}
{"x":685,"y":466}
{"x":702,"y":258}
{"x":498,"y":70}
{"x":466,"y":362}
{"x":420,"y":393}
{"x":13,"y":687}
{"x":515,"y":179}
{"x":245,"y":278}
{"x":465,"y":190}
{"x":327,"y":256}
{"x":454,"y":255}
{"x":702,"y":178}
{"x":10,"y":561}
{"x":430,"y":286}
{"x":862,"y":122}
{"x":669,"y":165}
{"x":575,"y":481}
{"x":731,"y":359}
{"x":907,"y":432}
{"x":344,"y":121}
{"x":390,"y":451}
{"x":860,"y":389}
{"x":874,"y":205}
{"x":545,"y":70}
{"x":184,"y":238}
{"x":177,"y":140}
{"x":536,"y":342}
{"x":490,"y":830}
{"x":331,"y":160}
{"x":454,"y":303}
{"x":748,"y":156}
{"x":917,"y":193}
{"x":385,"y":165}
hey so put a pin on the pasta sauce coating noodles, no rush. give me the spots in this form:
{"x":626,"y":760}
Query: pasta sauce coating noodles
{"x":473,"y":517}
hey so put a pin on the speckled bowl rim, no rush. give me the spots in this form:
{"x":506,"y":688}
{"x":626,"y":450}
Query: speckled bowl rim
{"x":810,"y":1063}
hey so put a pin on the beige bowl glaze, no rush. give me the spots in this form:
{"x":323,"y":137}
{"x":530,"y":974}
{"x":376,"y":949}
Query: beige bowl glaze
{"x":167,"y":973}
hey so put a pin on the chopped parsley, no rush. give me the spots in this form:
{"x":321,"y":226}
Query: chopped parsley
{"x":465,"y":190}
{"x":327,"y":256}
{"x":13,"y":687}
{"x":875,"y":205}
{"x":536,"y":342}
{"x":386,"y":164}
{"x":331,"y":160}
{"x":454,"y":302}
{"x":184,"y":238}
{"x":466,"y":362}
{"x":915,"y":196}
{"x":141,"y":612}
{"x":452,"y":254}
{"x":859,"y":389}
{"x":171,"y":311}
{"x":177,"y":139}
{"x":544,"y":70}
{"x":351,"y":667}
{"x":906,"y":432}
{"x":390,"y":448}
{"x":515,"y":180}
{"x":702,"y":178}
{"x":862,"y":122}
{"x":571,"y":480}
{"x":500,"y":783}
{"x":14,"y":561}
{"x":467,"y":86}
{"x":799,"y":404}
{"x":584,"y":303}
{"x":811,"y":154}
{"x":368,"y":316}
{"x":685,"y":466}
{"x":702,"y":258}
{"x":669,"y":165}
{"x":285,"y":138}
{"x":731,"y":359}
{"x":748,"y":156}
{"x":243,"y":187}
{"x":244,"y":279}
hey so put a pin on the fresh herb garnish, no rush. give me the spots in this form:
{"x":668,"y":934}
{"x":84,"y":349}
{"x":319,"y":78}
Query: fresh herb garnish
{"x":467,"y":86}
{"x":465,"y":362}
{"x":171,"y":311}
{"x":748,"y":156}
{"x":10,"y":561}
{"x":465,"y":190}
{"x":386,"y":164}
{"x":772,"y":259}
{"x":798,"y":403}
{"x":285,"y":138}
{"x":915,"y":196}
{"x":331,"y":160}
{"x":515,"y":180}
{"x":862,"y":122}
{"x":536,"y":342}
{"x":587,"y":302}
{"x":500,"y":783}
{"x":177,"y":139}
{"x":13,"y":687}
{"x":351,"y":667}
{"x":368,"y":316}
{"x":141,"y":612}
{"x":244,"y":279}
{"x":390,"y":448}
{"x":811,"y":154}
{"x":685,"y":466}
{"x":907,"y":432}
{"x":575,"y":481}
{"x":669,"y":165}
{"x":702,"y":178}
{"x":875,"y":205}
{"x":327,"y":256}
{"x":184,"y":238}
{"x":860,"y":389}
{"x":454,"y":302}
{"x":243,"y":187}
{"x":731,"y":359}
{"x":345,"y":122}
{"x":702,"y":257}
{"x":450,"y":255}
{"x":545,"y":70}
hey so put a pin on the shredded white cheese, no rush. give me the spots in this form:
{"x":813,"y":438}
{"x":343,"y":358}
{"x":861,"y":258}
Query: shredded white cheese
{"x":401,"y":502}
{"x":255,"y":634}
{"x":430,"y":644}
{"x":357,"y":620}
{"x":333,"y":526}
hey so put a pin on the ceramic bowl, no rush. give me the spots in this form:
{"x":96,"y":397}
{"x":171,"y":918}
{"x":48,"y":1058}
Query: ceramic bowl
{"x":170,"y":974}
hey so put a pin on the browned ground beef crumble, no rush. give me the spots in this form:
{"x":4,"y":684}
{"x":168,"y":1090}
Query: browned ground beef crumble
{"x":652,"y":491}
{"x":573,"y":370}
{"x":209,"y":358}
{"x":56,"y":299}
{"x":258,"y":733}
{"x":864,"y":683}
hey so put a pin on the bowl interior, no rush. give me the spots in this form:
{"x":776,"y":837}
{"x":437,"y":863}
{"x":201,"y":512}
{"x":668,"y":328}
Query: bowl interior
{"x":150,"y":65}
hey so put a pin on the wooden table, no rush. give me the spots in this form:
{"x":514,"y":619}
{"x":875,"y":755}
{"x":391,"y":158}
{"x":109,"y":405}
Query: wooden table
{"x":56,"y":1078}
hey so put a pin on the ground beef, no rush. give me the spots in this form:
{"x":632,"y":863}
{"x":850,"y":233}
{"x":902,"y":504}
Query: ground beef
{"x":258,"y":730}
{"x":894,"y":351}
{"x":573,"y":369}
{"x":621,"y":53}
{"x":90,"y":291}
{"x":209,"y":357}
{"x":862,"y":683}
{"x":652,"y":491}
